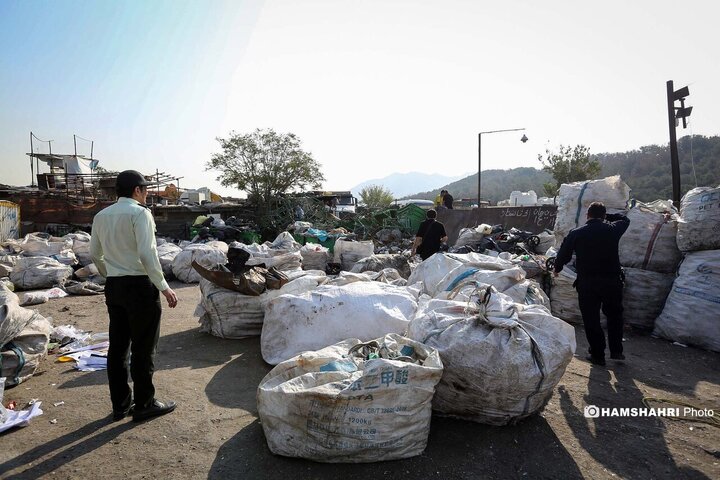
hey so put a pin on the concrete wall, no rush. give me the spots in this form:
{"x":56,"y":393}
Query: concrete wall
{"x":532,"y":219}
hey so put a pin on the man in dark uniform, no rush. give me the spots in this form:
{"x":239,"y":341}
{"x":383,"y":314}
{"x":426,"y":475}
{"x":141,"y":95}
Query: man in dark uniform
{"x":124,"y":251}
{"x":599,"y":278}
{"x":430,"y":235}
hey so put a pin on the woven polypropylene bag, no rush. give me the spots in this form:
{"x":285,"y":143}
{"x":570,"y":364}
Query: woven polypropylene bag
{"x":699,"y":226}
{"x":501,"y":360}
{"x":328,"y":407}
{"x":692,"y":309}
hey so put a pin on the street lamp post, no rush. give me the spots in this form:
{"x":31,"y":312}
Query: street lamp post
{"x":523,"y":139}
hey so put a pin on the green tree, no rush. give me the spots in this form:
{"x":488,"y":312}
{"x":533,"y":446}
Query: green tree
{"x":568,"y":165}
{"x":264,"y":164}
{"x":376,"y":196}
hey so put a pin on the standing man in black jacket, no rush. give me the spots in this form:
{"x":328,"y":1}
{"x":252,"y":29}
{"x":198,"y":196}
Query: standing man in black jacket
{"x":599,"y":278}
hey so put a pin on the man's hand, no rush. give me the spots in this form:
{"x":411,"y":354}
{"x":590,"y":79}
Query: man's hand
{"x":555,"y":273}
{"x":170,"y":297}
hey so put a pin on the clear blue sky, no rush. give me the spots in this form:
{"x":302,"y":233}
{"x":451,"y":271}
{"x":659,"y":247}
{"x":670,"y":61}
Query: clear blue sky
{"x":371,"y":87}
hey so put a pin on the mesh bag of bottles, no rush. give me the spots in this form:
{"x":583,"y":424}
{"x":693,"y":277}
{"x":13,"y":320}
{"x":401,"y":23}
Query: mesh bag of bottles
{"x":351,"y":402}
{"x":699,"y":226}
{"x":692,"y":310}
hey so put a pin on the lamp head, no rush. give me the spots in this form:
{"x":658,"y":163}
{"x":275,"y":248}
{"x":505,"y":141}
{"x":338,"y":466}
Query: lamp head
{"x":524,"y":138}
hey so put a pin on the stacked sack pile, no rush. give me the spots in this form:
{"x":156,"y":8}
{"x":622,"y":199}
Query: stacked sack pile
{"x":39,"y":261}
{"x":497,"y":358}
{"x":692,"y":311}
{"x":573,"y":202}
{"x":649,"y":256}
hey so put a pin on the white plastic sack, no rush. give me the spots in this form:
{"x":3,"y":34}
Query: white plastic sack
{"x":80,"y":246}
{"x":13,"y":317}
{"x":575,"y":198}
{"x":377,"y":263}
{"x":7,"y":263}
{"x":692,"y":310}
{"x":386,"y":275}
{"x":35,"y":246}
{"x":327,"y":407}
{"x":228,"y":314}
{"x":314,"y":256}
{"x":206,"y":254}
{"x":329,"y":314}
{"x":501,"y":360}
{"x":644,"y":296}
{"x":563,"y":296}
{"x":66,"y":257}
{"x":471,"y":236}
{"x":547,"y":240}
{"x":502,"y":280}
{"x":22,"y":355}
{"x":347,"y":253}
{"x":649,"y":242}
{"x":699,"y":226}
{"x":166,"y":254}
{"x":39,"y":272}
{"x":434,"y":269}
{"x":286,"y":261}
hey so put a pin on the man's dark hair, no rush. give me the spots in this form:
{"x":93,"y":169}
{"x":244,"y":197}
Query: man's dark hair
{"x":126,"y":182}
{"x":596,"y":210}
{"x":431,"y":213}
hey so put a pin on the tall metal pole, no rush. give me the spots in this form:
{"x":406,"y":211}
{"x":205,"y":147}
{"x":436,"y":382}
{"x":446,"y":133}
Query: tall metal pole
{"x":674,"y":161}
{"x":32,"y":173}
{"x":479,"y":167}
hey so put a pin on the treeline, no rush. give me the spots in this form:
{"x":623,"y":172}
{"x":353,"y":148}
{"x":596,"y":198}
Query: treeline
{"x":646,"y":171}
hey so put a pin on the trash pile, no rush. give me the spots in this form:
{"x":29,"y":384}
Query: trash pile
{"x":60,"y":264}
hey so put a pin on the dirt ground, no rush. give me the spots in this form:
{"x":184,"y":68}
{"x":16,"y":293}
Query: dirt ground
{"x":215,"y":432}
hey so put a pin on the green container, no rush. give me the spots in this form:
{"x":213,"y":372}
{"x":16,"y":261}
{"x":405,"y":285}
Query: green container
{"x":410,"y":217}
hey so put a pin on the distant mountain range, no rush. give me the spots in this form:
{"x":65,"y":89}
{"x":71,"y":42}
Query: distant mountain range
{"x":646,"y":171}
{"x":404,"y":184}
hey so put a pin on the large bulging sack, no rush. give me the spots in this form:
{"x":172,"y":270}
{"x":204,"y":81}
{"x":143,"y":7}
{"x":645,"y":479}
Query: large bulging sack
{"x":228,"y":314}
{"x":351,"y":402}
{"x":376,"y":263}
{"x":13,"y":318}
{"x":501,"y":360}
{"x":434,"y":269}
{"x":39,"y":272}
{"x":166,"y":254}
{"x":206,"y":254}
{"x":563,"y":296}
{"x":649,"y":242}
{"x":21,"y":356}
{"x":575,"y":198}
{"x":347,"y":253}
{"x":314,"y":256}
{"x":36,"y":246}
{"x":699,"y":226}
{"x":692,"y":310}
{"x":80,"y":246}
{"x":502,"y":280}
{"x":7,"y":263}
{"x":644,"y":296}
{"x":329,"y":314}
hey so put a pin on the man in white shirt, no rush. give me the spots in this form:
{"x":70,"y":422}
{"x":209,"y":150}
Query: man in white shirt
{"x":124,"y":251}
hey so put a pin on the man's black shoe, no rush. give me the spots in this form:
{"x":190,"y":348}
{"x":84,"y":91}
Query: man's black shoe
{"x":155,"y":409}
{"x":617,"y":356}
{"x":120,"y":414}
{"x":591,"y":359}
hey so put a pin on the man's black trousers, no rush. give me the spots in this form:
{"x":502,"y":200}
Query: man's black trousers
{"x":603,"y":292}
{"x":134,"y":307}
